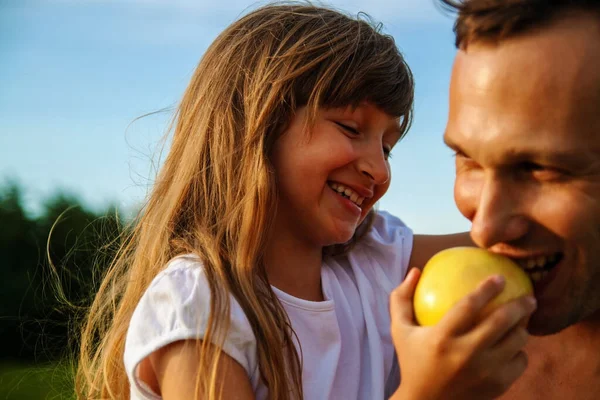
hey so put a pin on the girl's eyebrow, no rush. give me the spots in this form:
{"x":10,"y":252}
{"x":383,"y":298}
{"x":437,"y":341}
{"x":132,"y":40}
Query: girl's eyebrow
{"x":397,"y":132}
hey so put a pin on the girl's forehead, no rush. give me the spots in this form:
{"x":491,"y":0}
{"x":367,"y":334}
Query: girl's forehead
{"x":364,"y":110}
{"x":360,"y":108}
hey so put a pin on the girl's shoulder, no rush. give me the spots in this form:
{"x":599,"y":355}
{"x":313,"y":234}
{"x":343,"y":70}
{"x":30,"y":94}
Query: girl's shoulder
{"x":387,"y":230}
{"x":176,"y":306}
{"x":382,"y":256}
{"x":185,"y":271}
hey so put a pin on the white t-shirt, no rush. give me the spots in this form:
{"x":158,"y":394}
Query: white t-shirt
{"x":347,"y":350}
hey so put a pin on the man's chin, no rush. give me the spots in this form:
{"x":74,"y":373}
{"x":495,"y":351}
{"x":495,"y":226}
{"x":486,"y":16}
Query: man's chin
{"x":544,"y":325}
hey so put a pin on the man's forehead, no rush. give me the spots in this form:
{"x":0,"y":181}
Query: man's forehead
{"x":537,"y":87}
{"x":562,"y":56}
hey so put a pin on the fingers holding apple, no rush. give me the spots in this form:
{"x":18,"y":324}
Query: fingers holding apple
{"x":460,"y":274}
{"x":471,"y":305}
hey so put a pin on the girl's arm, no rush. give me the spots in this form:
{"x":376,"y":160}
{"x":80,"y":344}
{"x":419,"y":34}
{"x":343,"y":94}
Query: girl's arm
{"x":176,"y":369}
{"x":425,"y":246}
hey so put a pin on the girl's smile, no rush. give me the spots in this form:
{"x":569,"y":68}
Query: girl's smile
{"x":329,"y":177}
{"x":348,"y":198}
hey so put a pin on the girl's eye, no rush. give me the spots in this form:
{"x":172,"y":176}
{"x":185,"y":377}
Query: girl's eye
{"x":387,"y":152}
{"x":348,"y":128}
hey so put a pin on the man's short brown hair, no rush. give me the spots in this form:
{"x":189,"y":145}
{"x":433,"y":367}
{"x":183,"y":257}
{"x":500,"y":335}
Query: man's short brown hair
{"x":495,"y":20}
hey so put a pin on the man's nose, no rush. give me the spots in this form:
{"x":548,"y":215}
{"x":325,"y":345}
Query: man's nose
{"x":498,"y":217}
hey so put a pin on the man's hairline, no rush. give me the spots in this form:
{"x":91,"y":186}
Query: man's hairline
{"x":492,"y":42}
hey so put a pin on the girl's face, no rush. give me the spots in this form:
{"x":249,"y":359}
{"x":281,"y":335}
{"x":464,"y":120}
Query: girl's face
{"x":329,"y":178}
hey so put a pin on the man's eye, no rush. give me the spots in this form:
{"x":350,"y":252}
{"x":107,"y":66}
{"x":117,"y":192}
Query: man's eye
{"x":457,"y":154}
{"x":348,"y":128}
{"x":463,"y":163}
{"x":530,"y":166}
{"x":541,"y":172}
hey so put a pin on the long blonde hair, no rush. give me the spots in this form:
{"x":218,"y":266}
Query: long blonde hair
{"x":216,"y":192}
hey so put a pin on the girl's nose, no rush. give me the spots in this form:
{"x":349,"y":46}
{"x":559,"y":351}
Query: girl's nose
{"x":375,"y":166}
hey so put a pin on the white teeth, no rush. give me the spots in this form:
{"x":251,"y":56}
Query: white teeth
{"x":349,"y":193}
{"x":536,"y":276}
{"x":534,"y":266}
{"x":541,"y":261}
{"x":537,"y":262}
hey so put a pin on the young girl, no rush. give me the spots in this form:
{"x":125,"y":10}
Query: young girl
{"x":258,"y":268}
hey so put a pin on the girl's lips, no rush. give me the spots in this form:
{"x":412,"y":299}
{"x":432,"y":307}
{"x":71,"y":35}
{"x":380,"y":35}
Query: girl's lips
{"x":360,"y":190}
{"x":348,"y":204}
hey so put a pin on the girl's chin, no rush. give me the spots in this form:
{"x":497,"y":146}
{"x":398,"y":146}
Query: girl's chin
{"x":343,"y":237}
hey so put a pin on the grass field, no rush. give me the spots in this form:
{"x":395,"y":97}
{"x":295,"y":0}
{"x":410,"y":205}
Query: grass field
{"x":28,"y":382}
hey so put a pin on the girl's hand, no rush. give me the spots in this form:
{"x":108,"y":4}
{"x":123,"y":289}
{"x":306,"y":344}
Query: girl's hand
{"x":466,"y":355}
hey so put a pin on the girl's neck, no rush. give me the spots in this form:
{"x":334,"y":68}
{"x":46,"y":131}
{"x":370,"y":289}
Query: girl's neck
{"x":294,"y":267}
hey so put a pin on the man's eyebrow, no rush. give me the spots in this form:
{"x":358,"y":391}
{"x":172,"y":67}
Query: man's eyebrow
{"x":569,"y":158}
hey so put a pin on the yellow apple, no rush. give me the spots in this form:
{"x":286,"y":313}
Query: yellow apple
{"x":453,"y":273}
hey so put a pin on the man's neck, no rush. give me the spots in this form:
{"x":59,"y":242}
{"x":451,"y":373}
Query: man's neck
{"x":565,"y":365}
{"x":579,"y":344}
{"x":580,"y":334}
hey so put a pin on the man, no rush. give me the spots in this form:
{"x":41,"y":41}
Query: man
{"x":524,"y":121}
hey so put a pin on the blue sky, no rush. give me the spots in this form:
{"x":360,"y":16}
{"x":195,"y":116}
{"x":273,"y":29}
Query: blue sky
{"x":75,"y":75}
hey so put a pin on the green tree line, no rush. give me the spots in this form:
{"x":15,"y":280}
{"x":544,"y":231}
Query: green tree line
{"x":50,"y":266}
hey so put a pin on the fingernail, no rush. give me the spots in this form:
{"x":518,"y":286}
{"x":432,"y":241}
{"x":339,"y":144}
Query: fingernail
{"x":532,"y":302}
{"x":499,"y":279}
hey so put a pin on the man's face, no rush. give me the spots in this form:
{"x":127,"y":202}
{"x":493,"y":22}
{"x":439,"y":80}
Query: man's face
{"x":525,"y":124}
